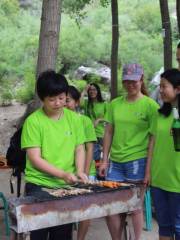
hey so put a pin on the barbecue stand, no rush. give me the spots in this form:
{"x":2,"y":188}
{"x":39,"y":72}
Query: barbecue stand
{"x":30,"y":213}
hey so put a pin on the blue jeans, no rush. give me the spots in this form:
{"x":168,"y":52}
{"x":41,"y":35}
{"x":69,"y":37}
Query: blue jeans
{"x":167,"y":208}
{"x":129,"y":171}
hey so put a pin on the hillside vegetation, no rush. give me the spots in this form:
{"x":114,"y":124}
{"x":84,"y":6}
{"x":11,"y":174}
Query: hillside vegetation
{"x":84,"y":43}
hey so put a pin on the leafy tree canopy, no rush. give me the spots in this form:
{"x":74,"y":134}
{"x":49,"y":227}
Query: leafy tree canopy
{"x":90,"y":41}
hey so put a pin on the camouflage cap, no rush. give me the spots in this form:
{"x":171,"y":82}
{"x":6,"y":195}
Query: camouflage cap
{"x":132,"y":72}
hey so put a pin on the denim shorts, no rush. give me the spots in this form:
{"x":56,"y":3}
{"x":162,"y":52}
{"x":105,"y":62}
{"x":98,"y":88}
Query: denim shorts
{"x":97,"y":149}
{"x":167,"y":209}
{"x":130,"y":171}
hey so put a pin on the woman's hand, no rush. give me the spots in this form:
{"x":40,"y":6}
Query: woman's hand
{"x":69,"y":178}
{"x":97,"y":121}
{"x":87,"y":88}
{"x":103,"y":168}
{"x":82,"y":176}
{"x":147,"y":178}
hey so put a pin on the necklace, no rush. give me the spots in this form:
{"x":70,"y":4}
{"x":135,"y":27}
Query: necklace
{"x":60,"y":114}
{"x":54,"y":116}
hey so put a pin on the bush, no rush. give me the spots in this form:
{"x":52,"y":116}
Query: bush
{"x":25,"y":93}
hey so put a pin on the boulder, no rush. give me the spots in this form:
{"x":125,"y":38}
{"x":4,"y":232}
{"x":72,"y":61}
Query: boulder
{"x":103,"y":72}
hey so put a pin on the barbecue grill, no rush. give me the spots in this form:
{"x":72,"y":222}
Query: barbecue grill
{"x":45,"y":210}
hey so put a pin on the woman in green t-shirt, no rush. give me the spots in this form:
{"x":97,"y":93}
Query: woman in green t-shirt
{"x":72,"y":103}
{"x":128,"y":138}
{"x":53,"y":138}
{"x":95,"y":108}
{"x":165,"y":167}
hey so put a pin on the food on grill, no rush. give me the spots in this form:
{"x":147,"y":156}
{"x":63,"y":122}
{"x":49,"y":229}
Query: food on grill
{"x":88,"y":187}
{"x":67,"y":192}
{"x":110,"y":184}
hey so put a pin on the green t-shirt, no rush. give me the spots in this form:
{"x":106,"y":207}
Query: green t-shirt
{"x":90,"y":136}
{"x":95,"y":111}
{"x":165,"y":167}
{"x":133,"y":122}
{"x":57,"y":140}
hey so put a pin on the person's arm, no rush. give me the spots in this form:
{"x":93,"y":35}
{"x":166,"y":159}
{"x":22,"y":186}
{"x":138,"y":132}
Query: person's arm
{"x":107,"y":140}
{"x":80,"y":162}
{"x":149,"y":158}
{"x":98,"y":120}
{"x":152,"y":115}
{"x":89,"y":156}
{"x":102,"y":118}
{"x":34,"y":155}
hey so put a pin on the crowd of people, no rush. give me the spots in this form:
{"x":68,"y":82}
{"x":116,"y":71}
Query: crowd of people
{"x":131,"y":137}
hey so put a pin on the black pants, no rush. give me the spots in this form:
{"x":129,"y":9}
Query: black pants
{"x":63,"y":232}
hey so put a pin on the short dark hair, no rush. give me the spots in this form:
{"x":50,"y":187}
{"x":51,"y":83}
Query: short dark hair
{"x":50,"y":83}
{"x":173,"y":77}
{"x":74,"y":93}
{"x":178,"y":46}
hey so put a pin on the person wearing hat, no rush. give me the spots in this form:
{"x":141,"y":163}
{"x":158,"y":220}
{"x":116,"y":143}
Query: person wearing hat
{"x":129,"y":140}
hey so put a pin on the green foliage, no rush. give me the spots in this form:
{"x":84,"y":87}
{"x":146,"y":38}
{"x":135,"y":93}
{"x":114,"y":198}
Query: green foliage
{"x":146,"y":19}
{"x":6,"y":92}
{"x":75,"y":6}
{"x":26,"y":92}
{"x":8,"y":12}
{"x":90,"y":42}
{"x":77,"y":9}
{"x":18,"y":46}
{"x":83,"y":44}
{"x":144,"y":50}
{"x":93,"y":78}
{"x":79,"y":84}
{"x":9,"y":8}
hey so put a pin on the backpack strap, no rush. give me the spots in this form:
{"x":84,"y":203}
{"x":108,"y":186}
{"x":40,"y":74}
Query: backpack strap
{"x":19,"y":185}
{"x":18,"y":176}
{"x":11,"y":184}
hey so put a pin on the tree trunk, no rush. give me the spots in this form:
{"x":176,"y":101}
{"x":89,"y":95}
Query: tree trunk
{"x":49,"y":35}
{"x":166,"y":31}
{"x":48,"y":46}
{"x":114,"y":48}
{"x":178,"y":15}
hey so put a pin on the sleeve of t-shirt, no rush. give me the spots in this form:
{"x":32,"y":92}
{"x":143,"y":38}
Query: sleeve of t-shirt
{"x":152,"y":116}
{"x":109,"y":113}
{"x":79,"y":131}
{"x":90,"y":135}
{"x":106,"y":106}
{"x":30,"y":134}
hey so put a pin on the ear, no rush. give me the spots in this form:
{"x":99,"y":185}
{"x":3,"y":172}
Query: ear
{"x":77,"y":103}
{"x":178,"y":90}
{"x":142,"y":78}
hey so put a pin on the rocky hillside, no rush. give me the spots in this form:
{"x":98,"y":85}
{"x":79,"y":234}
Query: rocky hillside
{"x":9,"y":116}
